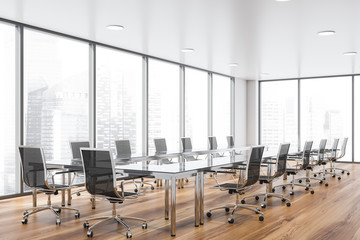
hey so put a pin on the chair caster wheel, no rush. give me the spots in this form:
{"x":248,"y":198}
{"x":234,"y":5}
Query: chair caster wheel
{"x":152,"y":187}
{"x":208,"y":214}
{"x":283,"y":199}
{"x":231,"y":191}
{"x":78,"y":194}
{"x":325,"y":170}
{"x":231,"y":220}
{"x":326,"y":184}
{"x":261,"y":218}
{"x":320,"y":181}
{"x":312,"y":192}
{"x":306,"y":188}
{"x":86,"y":225}
{"x":333,"y":176}
{"x":309,"y":185}
{"x":256,"y":197}
{"x":90,"y":234}
{"x":324,"y":179}
{"x":58,"y":221}
{"x":342,"y":172}
{"x":273,"y":190}
{"x":154,"y":181}
{"x":291,"y":193}
{"x":135,"y":190}
{"x":77,"y":215}
{"x":243,"y":201}
{"x":288,"y":204}
{"x":25,"y":213}
{"x":348,"y":173}
{"x":227,"y":209}
{"x":24,"y":221}
{"x":283,"y":187}
{"x":144,"y":226}
{"x":339,"y":178}
{"x":58,"y":210}
{"x":263,"y":205}
{"x":315,"y":175}
{"x":186,"y":180}
{"x":300,"y":181}
{"x":128,"y":234}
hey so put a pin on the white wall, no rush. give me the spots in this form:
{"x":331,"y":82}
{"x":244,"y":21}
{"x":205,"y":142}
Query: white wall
{"x":240,"y":112}
{"x":252,"y":113}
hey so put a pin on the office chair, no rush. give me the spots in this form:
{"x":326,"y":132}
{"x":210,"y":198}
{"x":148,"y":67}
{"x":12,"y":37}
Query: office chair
{"x":213,"y":145}
{"x":187,"y":147}
{"x":123,"y":155}
{"x":280,"y":168}
{"x":36,"y":176}
{"x":333,"y":158}
{"x":302,"y":162}
{"x":99,"y":169}
{"x":252,"y":174}
{"x":161,"y":148}
{"x":76,"y":157}
{"x":319,"y":160}
{"x":231,"y":144}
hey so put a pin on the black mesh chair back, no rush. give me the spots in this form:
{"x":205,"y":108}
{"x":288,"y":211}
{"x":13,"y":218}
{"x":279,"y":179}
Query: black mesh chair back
{"x":99,"y":171}
{"x":253,"y":165}
{"x":75,"y":148}
{"x":160,"y":145}
{"x":186,"y":144}
{"x":281,"y":159}
{"x":123,"y":149}
{"x":343,"y":147}
{"x":334,"y":148}
{"x":33,"y":166}
{"x":306,"y":154}
{"x":230,"y":141}
{"x":321,"y":153}
{"x":212,"y":143}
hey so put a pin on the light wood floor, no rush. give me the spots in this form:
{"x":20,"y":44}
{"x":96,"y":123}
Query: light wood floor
{"x":331,"y":213}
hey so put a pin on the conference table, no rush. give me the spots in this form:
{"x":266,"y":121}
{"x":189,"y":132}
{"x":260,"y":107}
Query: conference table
{"x":173,"y":171}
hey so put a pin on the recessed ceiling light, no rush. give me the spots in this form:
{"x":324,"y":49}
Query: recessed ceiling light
{"x":188,"y":50}
{"x":233,"y":64}
{"x":115,"y":27}
{"x":326,"y":33}
{"x":349,"y":53}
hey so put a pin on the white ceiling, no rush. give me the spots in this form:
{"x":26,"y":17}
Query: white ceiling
{"x":262,"y":36}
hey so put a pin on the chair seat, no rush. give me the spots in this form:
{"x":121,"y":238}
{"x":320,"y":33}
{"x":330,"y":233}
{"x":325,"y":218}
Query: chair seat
{"x":56,"y":186}
{"x":265,"y":179}
{"x":227,"y":186}
{"x":291,"y":171}
{"x":112,"y":197}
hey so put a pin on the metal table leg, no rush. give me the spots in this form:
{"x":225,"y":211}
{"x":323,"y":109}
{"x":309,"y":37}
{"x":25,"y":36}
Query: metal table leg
{"x":63,"y":192}
{"x":197,"y":209}
{"x":34,"y":193}
{"x":201,"y":179}
{"x":173,"y":206}
{"x":69,"y":189}
{"x":166,"y":199}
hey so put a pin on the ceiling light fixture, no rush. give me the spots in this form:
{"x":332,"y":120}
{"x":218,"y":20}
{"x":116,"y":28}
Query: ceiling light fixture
{"x":326,"y":33}
{"x":283,"y":0}
{"x":233,"y":64}
{"x":185,"y":50}
{"x":349,"y":53}
{"x":115,"y":27}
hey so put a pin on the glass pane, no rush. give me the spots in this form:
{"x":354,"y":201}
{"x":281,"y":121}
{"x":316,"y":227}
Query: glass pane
{"x":357,"y":117}
{"x":196,"y":105}
{"x":9,"y":183}
{"x":221,"y":109}
{"x":164,"y":104}
{"x":279,"y":114}
{"x":326,"y":111}
{"x":56,"y":104}
{"x":118,"y":98}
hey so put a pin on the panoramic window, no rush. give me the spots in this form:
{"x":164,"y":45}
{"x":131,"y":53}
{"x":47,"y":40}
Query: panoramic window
{"x":56,"y":93}
{"x":164,"y":104}
{"x":196,"y":105}
{"x":279,"y":114}
{"x":118,"y":98}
